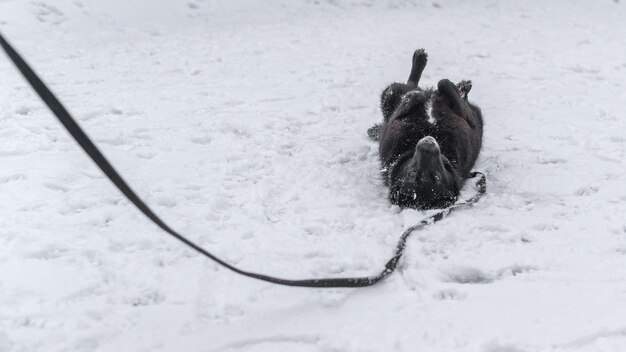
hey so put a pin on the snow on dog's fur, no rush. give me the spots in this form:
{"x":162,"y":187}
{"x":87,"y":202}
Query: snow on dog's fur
{"x":429,"y":139}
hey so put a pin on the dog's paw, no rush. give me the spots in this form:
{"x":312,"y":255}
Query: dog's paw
{"x":375,"y":131}
{"x":420,"y":57}
{"x":464,"y":88}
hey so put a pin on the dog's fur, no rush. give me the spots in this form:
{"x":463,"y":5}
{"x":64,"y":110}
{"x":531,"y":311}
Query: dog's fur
{"x":429,"y":139}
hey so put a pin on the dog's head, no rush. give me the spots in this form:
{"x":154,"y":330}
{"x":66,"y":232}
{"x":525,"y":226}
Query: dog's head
{"x":424,"y":180}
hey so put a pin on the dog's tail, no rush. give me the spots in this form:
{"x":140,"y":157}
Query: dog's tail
{"x":375,"y":131}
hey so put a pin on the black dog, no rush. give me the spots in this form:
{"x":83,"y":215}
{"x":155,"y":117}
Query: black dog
{"x":429,"y":139}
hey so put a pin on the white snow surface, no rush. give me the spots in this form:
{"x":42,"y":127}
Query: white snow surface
{"x":243,"y":124}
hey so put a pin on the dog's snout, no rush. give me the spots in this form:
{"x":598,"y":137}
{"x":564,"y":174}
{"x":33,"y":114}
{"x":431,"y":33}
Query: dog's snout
{"x":428,"y":140}
{"x":428,"y":143}
{"x":427,"y":156}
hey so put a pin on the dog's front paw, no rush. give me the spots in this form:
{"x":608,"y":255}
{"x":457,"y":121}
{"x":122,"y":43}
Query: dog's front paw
{"x":464,"y":88}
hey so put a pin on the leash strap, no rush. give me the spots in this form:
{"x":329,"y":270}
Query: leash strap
{"x":88,"y":146}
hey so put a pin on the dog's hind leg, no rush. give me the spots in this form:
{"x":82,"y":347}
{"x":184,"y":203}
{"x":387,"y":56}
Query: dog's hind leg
{"x":375,"y":132}
{"x":413,"y":108}
{"x":393,"y":95}
{"x":391,"y":98}
{"x":420,"y":57}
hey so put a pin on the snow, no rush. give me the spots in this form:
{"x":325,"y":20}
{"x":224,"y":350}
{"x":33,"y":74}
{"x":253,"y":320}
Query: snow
{"x":244,"y":125}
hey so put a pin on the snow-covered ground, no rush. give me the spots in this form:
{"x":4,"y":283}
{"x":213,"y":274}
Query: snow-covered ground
{"x":243,"y":124}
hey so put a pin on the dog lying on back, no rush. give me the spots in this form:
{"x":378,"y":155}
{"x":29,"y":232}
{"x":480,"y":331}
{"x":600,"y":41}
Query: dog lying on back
{"x":429,"y":139}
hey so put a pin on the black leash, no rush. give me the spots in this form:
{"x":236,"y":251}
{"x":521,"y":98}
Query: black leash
{"x":74,"y":129}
